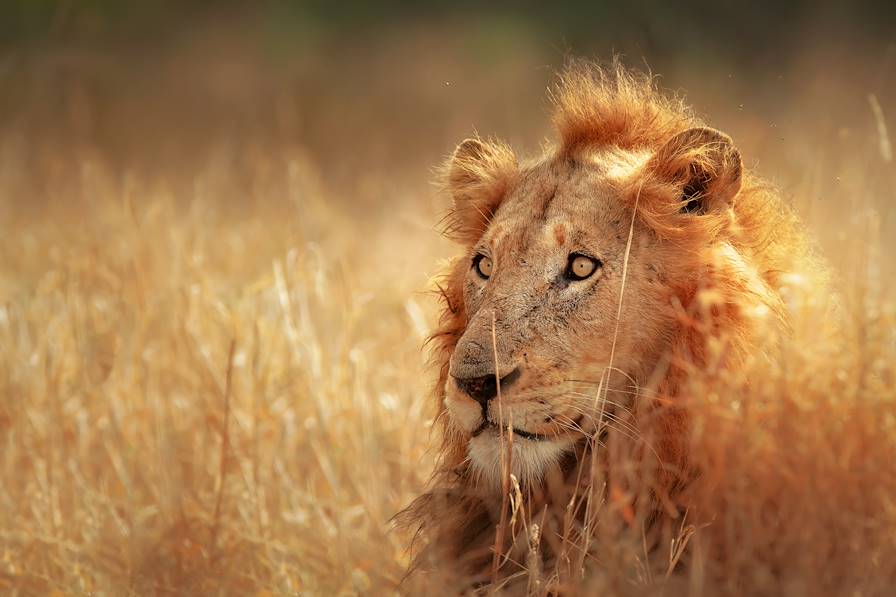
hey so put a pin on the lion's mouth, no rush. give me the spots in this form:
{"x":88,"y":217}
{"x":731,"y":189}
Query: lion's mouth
{"x":486,"y":424}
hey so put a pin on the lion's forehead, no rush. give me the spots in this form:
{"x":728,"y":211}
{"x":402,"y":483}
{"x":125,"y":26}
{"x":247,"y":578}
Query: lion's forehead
{"x":556,"y":205}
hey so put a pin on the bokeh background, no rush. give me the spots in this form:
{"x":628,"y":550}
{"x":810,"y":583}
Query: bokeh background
{"x":163,"y":90}
{"x":217,"y":231}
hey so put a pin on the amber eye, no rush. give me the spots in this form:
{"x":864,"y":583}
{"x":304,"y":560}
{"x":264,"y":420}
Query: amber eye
{"x":581,"y":266}
{"x":483,"y":266}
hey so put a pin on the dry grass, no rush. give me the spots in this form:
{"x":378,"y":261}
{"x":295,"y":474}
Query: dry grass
{"x":202,"y":402}
{"x":212,"y":383}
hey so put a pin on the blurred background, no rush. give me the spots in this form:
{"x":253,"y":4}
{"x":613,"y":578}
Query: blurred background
{"x":217,"y":230}
{"x":163,"y":89}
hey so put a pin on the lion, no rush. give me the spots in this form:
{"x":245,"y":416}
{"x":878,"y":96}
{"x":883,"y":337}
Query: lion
{"x":595,"y":282}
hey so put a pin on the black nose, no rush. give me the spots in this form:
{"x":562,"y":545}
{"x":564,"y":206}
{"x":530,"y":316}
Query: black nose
{"x":482,"y":389}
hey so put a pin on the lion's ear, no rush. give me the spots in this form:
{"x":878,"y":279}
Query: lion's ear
{"x":478,"y":176}
{"x":704,"y":164}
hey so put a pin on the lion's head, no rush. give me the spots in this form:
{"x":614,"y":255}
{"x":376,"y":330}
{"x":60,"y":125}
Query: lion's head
{"x":548,"y":254}
{"x":593,"y":281}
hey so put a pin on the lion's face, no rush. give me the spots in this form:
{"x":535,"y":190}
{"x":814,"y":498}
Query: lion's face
{"x":541,"y":285}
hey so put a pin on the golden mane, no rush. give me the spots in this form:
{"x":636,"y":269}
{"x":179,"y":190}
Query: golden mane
{"x":599,"y":106}
{"x":596,"y":108}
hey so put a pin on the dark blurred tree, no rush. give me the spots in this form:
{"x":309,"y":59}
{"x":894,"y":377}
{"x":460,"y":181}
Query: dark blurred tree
{"x":736,"y":29}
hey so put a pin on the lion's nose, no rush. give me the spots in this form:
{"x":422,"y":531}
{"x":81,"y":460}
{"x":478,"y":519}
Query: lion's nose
{"x":482,"y":389}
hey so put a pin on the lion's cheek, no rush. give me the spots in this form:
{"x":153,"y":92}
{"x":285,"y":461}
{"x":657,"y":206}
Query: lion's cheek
{"x":593,"y":358}
{"x":464,"y":412}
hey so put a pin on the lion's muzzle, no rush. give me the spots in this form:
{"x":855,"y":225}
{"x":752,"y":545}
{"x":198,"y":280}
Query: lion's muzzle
{"x":484,"y":388}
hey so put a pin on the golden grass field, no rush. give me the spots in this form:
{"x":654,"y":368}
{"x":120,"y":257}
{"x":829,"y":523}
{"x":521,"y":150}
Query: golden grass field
{"x":212,"y":320}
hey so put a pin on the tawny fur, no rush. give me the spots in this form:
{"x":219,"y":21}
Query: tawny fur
{"x":738,"y":250}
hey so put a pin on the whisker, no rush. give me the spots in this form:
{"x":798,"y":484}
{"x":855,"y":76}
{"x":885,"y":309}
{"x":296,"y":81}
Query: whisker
{"x":579,"y":396}
{"x":614,"y":421}
{"x":648,"y":392}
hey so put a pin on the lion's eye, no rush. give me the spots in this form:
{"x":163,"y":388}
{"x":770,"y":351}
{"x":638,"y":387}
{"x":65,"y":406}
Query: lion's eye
{"x":581,"y":266}
{"x":483,"y":266}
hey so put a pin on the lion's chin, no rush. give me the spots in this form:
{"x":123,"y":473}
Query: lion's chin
{"x":532,"y":458}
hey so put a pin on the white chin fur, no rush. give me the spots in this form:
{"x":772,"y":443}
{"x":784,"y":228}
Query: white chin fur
{"x":531,"y":458}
